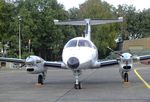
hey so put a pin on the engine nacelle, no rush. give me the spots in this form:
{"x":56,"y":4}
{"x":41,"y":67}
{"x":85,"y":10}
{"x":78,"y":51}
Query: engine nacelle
{"x":126,"y":68}
{"x":35,"y":65}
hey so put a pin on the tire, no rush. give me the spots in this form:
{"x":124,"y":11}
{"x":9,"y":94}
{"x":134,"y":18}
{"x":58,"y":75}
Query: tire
{"x":40,"y":79}
{"x":125,"y":77}
{"x":77,"y":86}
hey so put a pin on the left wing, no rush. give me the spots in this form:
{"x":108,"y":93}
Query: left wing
{"x":144,"y":57}
{"x":114,"y":62}
{"x":105,"y":63}
{"x":108,"y":63}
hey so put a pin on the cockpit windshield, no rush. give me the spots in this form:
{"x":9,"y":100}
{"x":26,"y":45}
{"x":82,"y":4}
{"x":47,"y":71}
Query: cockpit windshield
{"x":72,"y":43}
{"x":127,"y":61}
{"x":79,"y":43}
{"x":84,"y":43}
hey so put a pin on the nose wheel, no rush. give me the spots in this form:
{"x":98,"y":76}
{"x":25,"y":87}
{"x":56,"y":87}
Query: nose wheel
{"x":77,"y":84}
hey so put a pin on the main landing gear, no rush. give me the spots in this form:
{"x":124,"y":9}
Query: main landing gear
{"x":126,"y":79}
{"x":41,"y":78}
{"x":125,"y":76}
{"x":77,"y":84}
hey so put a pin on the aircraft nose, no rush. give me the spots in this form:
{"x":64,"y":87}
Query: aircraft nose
{"x":73,"y":62}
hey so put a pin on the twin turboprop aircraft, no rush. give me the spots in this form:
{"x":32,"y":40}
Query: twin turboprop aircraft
{"x":79,"y":53}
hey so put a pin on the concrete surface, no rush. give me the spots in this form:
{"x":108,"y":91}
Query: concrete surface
{"x":101,"y":85}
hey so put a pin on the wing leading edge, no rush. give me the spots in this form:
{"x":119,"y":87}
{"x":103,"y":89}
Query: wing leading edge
{"x":15,"y":60}
{"x":100,"y":64}
{"x":59,"y":65}
{"x":23,"y":61}
{"x":108,"y":63}
{"x":144,"y":57}
{"x":91,"y":21}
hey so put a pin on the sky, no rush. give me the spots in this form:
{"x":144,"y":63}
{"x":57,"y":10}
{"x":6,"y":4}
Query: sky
{"x":139,"y":4}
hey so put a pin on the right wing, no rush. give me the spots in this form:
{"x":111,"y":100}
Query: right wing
{"x":15,"y":60}
{"x":55,"y":64}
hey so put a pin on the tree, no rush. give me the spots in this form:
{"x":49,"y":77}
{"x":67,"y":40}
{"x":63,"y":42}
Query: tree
{"x":6,"y":22}
{"x":135,"y":22}
{"x":102,"y":35}
{"x":146,"y":22}
{"x":38,"y":26}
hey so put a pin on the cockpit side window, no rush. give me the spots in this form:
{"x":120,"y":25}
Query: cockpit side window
{"x":84,"y":43}
{"x":72,"y":43}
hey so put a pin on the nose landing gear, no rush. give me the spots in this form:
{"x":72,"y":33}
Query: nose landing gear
{"x":77,"y":84}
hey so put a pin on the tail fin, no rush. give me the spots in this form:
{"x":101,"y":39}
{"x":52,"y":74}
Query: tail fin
{"x":88,"y":23}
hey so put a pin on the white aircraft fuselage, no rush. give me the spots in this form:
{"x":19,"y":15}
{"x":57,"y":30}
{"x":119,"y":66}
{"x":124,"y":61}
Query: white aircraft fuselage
{"x":79,"y":53}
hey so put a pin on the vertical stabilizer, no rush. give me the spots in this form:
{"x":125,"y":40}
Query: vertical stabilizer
{"x":88,"y":29}
{"x":88,"y":23}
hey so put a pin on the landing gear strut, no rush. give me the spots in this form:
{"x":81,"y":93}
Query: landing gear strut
{"x":77,"y":84}
{"x":125,"y":77}
{"x":41,"y":78}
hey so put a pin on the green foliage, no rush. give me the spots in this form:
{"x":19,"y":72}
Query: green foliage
{"x":47,"y":40}
{"x":136,"y":23}
{"x":102,"y":35}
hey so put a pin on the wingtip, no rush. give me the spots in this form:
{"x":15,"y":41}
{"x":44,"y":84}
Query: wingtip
{"x":56,"y":20}
{"x":120,"y":18}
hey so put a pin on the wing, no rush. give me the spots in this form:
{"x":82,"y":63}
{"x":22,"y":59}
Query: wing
{"x":108,"y":63}
{"x":15,"y":60}
{"x":55,"y":64}
{"x":60,"y":65}
{"x":144,"y":57}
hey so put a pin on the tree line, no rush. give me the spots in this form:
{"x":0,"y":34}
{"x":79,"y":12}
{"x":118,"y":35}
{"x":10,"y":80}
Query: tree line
{"x":41,"y":37}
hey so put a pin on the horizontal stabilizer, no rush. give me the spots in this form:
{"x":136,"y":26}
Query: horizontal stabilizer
{"x":91,"y":21}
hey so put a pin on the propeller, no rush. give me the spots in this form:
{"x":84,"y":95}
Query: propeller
{"x":114,"y":51}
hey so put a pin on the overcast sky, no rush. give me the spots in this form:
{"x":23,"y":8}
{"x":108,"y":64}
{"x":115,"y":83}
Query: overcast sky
{"x":139,"y":4}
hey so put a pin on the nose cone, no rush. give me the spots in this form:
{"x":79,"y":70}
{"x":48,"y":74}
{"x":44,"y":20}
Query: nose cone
{"x":73,"y":62}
